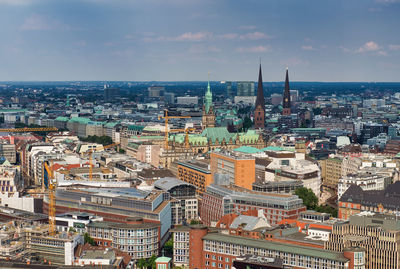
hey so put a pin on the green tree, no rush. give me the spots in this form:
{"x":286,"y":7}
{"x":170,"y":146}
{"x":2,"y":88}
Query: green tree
{"x":88,"y":239}
{"x":247,"y":123}
{"x":310,"y":200}
{"x":169,"y":247}
{"x":317,"y":111}
{"x":151,"y":262}
{"x":327,"y":209}
{"x":141,"y":263}
{"x":193,"y":222}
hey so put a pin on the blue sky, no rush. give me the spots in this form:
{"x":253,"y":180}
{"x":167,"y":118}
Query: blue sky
{"x":329,"y":40}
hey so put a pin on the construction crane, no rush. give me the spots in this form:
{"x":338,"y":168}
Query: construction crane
{"x":90,"y":152}
{"x":26,"y":130}
{"x":166,"y":117}
{"x":50,"y":183}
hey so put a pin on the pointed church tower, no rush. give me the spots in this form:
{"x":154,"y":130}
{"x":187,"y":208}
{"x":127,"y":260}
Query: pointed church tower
{"x":286,"y":96}
{"x":208,"y":118}
{"x":259,"y":112}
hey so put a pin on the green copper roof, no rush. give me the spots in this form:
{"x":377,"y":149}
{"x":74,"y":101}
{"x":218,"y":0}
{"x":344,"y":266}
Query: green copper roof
{"x":163,"y":259}
{"x":249,"y":136}
{"x":10,"y":110}
{"x":80,"y":120}
{"x":135,"y":128}
{"x":62,"y":119}
{"x":110,"y":124}
{"x":194,"y":139}
{"x":247,"y":149}
{"x":208,"y":98}
{"x":272,"y":148}
{"x":147,"y":137}
{"x":219,"y":133}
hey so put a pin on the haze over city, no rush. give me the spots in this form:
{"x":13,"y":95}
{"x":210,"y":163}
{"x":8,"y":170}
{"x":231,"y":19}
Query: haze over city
{"x":179,"y":40}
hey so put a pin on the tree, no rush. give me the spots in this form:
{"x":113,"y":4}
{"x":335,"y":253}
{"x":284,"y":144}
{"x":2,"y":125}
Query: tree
{"x":141,"y":263}
{"x":310,"y":200}
{"x":169,"y":247}
{"x":317,"y":111}
{"x":327,"y":209}
{"x":151,"y":262}
{"x":247,"y":123}
{"x":88,"y":239}
{"x":193,"y":222}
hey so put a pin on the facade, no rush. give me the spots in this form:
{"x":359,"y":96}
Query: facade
{"x":137,"y":238}
{"x":196,"y":173}
{"x":145,"y":152}
{"x":356,"y":200}
{"x":220,"y":200}
{"x":277,"y":186}
{"x":376,"y":235}
{"x":240,"y":168}
{"x":76,"y":221}
{"x":245,"y":88}
{"x":184,"y":203}
{"x":8,"y":151}
{"x":208,"y":118}
{"x":259,"y":112}
{"x":367,"y":182}
{"x":116,"y":204}
{"x":332,"y":171}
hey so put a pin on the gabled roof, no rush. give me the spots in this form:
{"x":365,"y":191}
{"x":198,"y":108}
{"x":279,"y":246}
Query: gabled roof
{"x":219,"y":133}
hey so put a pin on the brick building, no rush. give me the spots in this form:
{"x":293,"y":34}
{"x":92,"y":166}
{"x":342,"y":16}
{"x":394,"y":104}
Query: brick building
{"x":195,"y":172}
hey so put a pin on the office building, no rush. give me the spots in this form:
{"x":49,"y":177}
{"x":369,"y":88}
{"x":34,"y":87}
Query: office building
{"x":245,"y":88}
{"x":223,"y":199}
{"x":137,"y":237}
{"x":376,"y":235}
{"x":111,"y":94}
{"x":195,"y":172}
{"x":155,"y":92}
{"x":240,"y":168}
{"x":366,"y":180}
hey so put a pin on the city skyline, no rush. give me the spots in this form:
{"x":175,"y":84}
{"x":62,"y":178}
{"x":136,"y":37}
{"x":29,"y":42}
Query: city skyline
{"x":178,"y":40}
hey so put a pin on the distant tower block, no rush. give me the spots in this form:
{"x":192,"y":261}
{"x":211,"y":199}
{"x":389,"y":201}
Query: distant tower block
{"x":259,"y":112}
{"x":286,"y":96}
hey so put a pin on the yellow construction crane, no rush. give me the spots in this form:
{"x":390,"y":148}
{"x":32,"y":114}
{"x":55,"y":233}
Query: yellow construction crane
{"x":25,"y":130}
{"x":166,"y":117}
{"x":50,"y":183}
{"x":90,"y":152}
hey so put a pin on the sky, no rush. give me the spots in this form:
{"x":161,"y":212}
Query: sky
{"x":183,"y":40}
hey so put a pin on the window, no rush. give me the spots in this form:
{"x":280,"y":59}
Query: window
{"x":213,"y":257}
{"x":226,"y":259}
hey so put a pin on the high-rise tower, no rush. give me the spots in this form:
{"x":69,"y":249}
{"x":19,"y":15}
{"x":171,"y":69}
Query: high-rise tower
{"x":286,"y":96}
{"x":259,"y":112}
{"x":208,"y":118}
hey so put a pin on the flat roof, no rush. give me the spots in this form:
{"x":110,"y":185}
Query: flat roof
{"x":265,"y":244}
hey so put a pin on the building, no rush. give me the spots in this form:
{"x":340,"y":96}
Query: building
{"x":278,"y":186}
{"x":259,"y":112}
{"x":253,"y":262}
{"x":155,"y":91}
{"x":146,"y":152}
{"x":331,"y":169}
{"x":225,"y":198}
{"x":229,"y":90}
{"x":240,"y":168}
{"x":76,"y":221}
{"x":366,"y":180}
{"x":376,"y":235}
{"x":245,"y":88}
{"x":208,"y":118}
{"x":195,"y":172}
{"x":286,"y":97}
{"x":180,"y":235}
{"x":184,"y":203}
{"x":187,"y":100}
{"x":8,"y":151}
{"x":356,"y":200}
{"x":137,"y":237}
{"x":116,"y":204}
{"x":110,"y":94}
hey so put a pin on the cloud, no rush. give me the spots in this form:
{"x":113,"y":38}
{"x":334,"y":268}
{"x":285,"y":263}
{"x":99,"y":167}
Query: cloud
{"x":373,"y":47}
{"x":193,"y":37}
{"x":344,"y":49}
{"x":294,"y":61}
{"x":308,"y":48}
{"x":229,"y":36}
{"x":203,"y":49}
{"x":368,"y":46}
{"x":394,"y":47}
{"x":188,"y":37}
{"x":36,"y":23}
{"x":255,"y":49}
{"x":247,"y":27}
{"x":255,"y":36}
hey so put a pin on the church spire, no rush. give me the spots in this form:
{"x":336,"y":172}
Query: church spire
{"x":286,"y":96}
{"x":208,"y":96}
{"x":260,"y":101}
{"x":259,"y":112}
